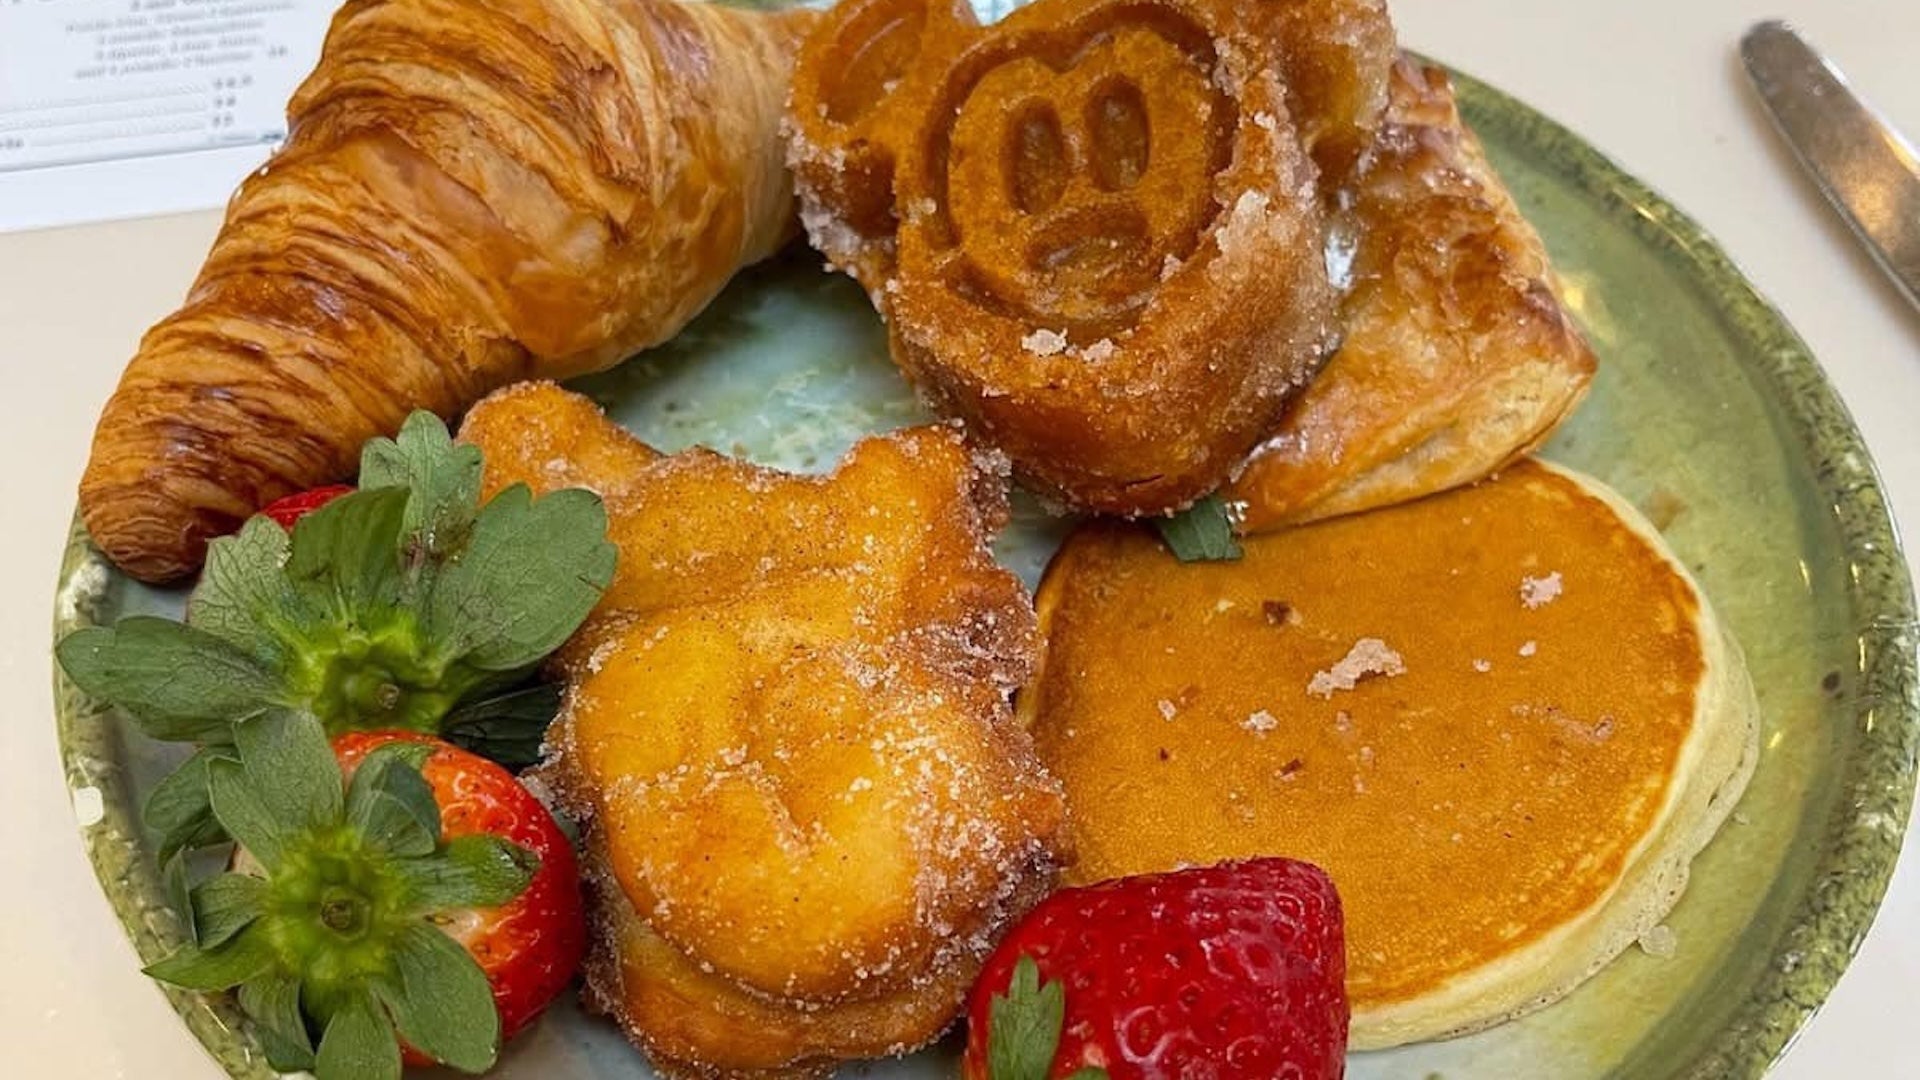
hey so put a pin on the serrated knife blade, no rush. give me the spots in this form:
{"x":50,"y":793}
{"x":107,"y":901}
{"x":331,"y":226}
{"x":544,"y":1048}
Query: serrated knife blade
{"x":1864,"y":167}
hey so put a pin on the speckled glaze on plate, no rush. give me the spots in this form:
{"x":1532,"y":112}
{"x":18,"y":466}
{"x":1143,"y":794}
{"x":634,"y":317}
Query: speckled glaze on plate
{"x":1708,"y":412}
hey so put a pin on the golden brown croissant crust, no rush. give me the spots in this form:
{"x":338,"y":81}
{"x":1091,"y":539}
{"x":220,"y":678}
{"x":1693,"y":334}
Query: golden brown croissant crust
{"x":471,"y":194}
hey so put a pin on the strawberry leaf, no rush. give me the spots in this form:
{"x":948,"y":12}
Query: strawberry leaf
{"x":180,"y":684}
{"x":358,"y":1044}
{"x":243,"y":597}
{"x":392,"y":806}
{"x":345,"y":556}
{"x":412,"y":754}
{"x":1202,"y":532}
{"x":173,"y":879}
{"x":272,"y":1002}
{"x":177,"y":811}
{"x":472,"y":871}
{"x":531,"y":572}
{"x":245,"y":957}
{"x":226,"y":905}
{"x":242,"y":813}
{"x":390,"y":607}
{"x":291,"y":768}
{"x":1023,"y":1025}
{"x":285,"y":782}
{"x":510,"y":728}
{"x":440,"y":1000}
{"x":443,"y":476}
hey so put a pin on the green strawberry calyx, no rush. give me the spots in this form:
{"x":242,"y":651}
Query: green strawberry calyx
{"x":329,"y":931}
{"x":385,"y":608}
{"x":1024,"y":1025}
{"x":407,"y":604}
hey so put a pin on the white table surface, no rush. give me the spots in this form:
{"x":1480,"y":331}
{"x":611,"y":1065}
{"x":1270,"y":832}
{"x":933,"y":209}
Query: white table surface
{"x":1654,"y":83}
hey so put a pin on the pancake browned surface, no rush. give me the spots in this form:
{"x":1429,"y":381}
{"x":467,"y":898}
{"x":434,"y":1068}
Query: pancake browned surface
{"x":786,"y":727}
{"x":1458,"y":356}
{"x":1503,"y":719}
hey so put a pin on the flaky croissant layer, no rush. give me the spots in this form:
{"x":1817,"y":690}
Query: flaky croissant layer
{"x":471,"y":194}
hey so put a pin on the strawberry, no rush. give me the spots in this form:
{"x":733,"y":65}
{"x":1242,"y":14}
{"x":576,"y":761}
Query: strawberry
{"x":410,"y":603}
{"x":1228,"y":972}
{"x":530,"y":947}
{"x":292,"y":508}
{"x":393,"y":894}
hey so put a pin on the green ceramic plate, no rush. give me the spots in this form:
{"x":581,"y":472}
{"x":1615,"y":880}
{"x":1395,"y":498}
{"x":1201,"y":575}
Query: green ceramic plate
{"x":1708,"y":412}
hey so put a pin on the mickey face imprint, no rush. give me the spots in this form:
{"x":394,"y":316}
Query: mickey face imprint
{"x":1094,"y":228}
{"x":1070,"y":175}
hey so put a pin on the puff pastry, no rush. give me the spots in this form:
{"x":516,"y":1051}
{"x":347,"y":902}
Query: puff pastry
{"x":1458,"y":356}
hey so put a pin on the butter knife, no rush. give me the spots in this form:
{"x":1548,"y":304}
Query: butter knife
{"x":1864,"y":167}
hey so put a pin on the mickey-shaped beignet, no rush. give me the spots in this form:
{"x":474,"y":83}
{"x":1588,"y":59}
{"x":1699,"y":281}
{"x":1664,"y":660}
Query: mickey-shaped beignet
{"x":1096,"y":228}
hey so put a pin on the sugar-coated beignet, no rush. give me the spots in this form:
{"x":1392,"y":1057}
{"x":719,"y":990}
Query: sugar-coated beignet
{"x":787,"y":728}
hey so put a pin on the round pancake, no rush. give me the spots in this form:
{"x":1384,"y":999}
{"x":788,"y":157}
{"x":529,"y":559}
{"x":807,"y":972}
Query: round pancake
{"x":1504,"y":719}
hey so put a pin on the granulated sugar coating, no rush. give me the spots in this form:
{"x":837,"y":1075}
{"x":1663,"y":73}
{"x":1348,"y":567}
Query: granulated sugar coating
{"x":1126,"y":320}
{"x":786,"y":730}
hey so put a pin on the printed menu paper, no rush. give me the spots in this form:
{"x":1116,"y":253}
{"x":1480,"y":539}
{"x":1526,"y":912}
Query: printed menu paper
{"x":122,"y":108}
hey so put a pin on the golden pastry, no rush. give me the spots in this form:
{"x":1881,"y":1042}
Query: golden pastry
{"x":1503,"y":719}
{"x":787,"y":728}
{"x":470,"y":194}
{"x":1458,"y":356}
{"x":1096,"y":227}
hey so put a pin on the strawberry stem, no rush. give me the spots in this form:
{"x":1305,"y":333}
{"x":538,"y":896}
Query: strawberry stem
{"x":332,"y":928}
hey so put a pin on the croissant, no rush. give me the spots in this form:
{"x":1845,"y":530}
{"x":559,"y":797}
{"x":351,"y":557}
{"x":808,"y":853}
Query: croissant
{"x":470,"y":195}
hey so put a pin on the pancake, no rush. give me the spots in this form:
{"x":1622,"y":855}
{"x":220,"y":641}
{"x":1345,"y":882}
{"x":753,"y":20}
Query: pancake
{"x":1504,"y":719}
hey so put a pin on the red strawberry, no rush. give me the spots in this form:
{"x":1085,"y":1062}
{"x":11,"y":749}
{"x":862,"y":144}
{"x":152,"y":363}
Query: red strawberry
{"x":392,"y":895}
{"x":301,"y":503}
{"x":531,"y":946}
{"x":1228,"y":972}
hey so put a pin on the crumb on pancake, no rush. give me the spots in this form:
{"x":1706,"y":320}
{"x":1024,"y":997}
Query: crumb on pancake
{"x":1369,"y":656}
{"x":1099,"y":350}
{"x":1537,"y":592}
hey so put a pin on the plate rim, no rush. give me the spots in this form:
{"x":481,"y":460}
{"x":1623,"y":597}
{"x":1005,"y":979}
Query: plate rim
{"x":1875,"y":782}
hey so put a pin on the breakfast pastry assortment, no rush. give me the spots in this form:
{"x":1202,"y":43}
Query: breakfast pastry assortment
{"x":481,"y":695}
